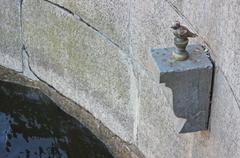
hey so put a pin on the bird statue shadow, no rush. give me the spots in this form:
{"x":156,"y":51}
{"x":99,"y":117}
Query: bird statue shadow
{"x":181,"y":34}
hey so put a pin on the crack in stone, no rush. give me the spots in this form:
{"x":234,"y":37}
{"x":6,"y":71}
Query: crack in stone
{"x":30,"y":68}
{"x":27,"y":70}
{"x":181,"y":15}
{"x":208,"y":46}
{"x":100,"y":130}
{"x":134,"y":80}
{"x":186,"y":19}
{"x":231,"y":88}
{"x":35,"y":75}
{"x":61,"y":7}
{"x":195,"y":29}
{"x":39,"y":78}
{"x":132,"y":146}
{"x":21,"y":33}
{"x":79,"y":18}
{"x":226,"y":78}
{"x":28,"y":65}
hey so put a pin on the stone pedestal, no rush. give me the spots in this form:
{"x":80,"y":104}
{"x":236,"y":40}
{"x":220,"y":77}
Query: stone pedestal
{"x":190,"y":81}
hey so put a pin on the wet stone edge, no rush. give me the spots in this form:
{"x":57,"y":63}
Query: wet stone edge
{"x":118,"y":147}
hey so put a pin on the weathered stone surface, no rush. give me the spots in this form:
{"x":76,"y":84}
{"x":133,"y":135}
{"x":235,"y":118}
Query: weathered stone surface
{"x":223,"y":139}
{"x":190,"y":81}
{"x":150,"y":28}
{"x":26,"y":68}
{"x":110,"y":17}
{"x":117,"y":146}
{"x":217,"y":23}
{"x":10,"y":43}
{"x":157,"y":137}
{"x":85,"y":66}
{"x":79,"y":63}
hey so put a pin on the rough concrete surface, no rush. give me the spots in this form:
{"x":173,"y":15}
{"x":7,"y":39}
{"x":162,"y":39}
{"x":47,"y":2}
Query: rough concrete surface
{"x":150,"y":28}
{"x":217,"y":23}
{"x":98,"y":54}
{"x":157,"y":136}
{"x":80,"y":63}
{"x":110,"y":17}
{"x":10,"y":31}
{"x":223,"y":138}
{"x":150,"y":22}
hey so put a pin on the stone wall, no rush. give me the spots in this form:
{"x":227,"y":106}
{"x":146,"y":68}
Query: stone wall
{"x":97,"y":53}
{"x":10,"y":28}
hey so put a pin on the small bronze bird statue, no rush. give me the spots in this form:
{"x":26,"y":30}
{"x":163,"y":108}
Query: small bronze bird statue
{"x":181,"y":34}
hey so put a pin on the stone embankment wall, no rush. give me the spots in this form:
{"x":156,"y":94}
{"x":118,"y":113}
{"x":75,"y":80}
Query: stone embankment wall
{"x":97,"y":53}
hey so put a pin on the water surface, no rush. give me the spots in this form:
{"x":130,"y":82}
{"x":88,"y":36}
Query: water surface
{"x":32,"y":126}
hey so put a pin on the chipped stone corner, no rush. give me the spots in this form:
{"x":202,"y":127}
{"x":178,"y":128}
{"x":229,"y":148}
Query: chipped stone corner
{"x":26,"y":68}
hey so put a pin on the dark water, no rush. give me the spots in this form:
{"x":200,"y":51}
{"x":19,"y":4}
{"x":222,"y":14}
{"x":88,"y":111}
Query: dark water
{"x":32,"y":126}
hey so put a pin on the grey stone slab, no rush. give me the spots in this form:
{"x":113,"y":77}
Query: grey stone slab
{"x":197,"y":60}
{"x":110,"y":17}
{"x":190,"y":81}
{"x":10,"y":40}
{"x":81,"y":64}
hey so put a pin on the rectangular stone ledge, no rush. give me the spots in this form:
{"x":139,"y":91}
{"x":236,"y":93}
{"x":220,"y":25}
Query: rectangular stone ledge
{"x":190,"y":81}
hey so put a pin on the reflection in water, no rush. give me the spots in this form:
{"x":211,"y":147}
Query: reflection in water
{"x":32,"y":126}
